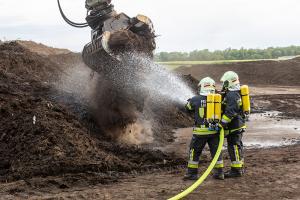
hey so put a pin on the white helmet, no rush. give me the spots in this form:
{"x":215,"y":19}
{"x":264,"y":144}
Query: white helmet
{"x":207,"y":86}
{"x":230,"y":80}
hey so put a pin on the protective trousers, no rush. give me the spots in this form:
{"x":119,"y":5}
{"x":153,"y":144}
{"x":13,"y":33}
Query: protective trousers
{"x":235,"y":149}
{"x":196,"y":147}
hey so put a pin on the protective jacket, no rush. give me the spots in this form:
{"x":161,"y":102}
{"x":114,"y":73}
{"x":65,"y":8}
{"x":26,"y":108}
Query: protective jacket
{"x":233,"y":117}
{"x":198,"y":105}
{"x":201,"y":134}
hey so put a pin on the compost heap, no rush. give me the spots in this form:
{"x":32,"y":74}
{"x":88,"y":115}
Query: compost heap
{"x":52,"y":126}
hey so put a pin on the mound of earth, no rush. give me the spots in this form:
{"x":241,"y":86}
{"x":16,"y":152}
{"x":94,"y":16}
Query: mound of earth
{"x":42,"y":49}
{"x":284,"y":73}
{"x":43,"y":136}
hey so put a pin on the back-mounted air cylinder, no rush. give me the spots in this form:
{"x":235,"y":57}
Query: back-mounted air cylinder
{"x":218,"y":107}
{"x":210,"y":107}
{"x":245,"y":99}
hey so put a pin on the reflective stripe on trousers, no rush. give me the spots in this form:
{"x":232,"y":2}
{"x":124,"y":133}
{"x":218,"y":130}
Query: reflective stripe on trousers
{"x":203,"y":131}
{"x":233,"y":130}
{"x":219,"y":164}
{"x":193,"y":164}
{"x":238,"y":163}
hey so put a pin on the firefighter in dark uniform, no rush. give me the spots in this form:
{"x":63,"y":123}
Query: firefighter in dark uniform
{"x":233,"y":122}
{"x":202,"y":134}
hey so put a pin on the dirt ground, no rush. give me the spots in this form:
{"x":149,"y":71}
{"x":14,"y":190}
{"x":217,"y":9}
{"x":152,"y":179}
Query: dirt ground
{"x":270,"y":174}
{"x":53,"y":150}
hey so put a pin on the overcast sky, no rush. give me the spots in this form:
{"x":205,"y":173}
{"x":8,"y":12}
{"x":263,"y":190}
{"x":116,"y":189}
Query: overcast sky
{"x":183,"y":25}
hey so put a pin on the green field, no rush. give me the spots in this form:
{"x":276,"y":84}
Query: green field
{"x":175,"y":64}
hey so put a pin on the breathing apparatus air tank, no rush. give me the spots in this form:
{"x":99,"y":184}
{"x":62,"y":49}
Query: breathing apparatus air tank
{"x":218,"y":107}
{"x":210,"y":108}
{"x":245,"y":99}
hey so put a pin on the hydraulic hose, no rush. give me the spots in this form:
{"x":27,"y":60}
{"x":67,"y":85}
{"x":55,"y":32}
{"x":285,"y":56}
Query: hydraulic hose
{"x":74,"y":24}
{"x":206,"y":173}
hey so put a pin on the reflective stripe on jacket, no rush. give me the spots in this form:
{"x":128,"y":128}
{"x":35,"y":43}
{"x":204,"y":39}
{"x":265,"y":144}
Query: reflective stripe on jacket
{"x":197,"y":105}
{"x":232,"y":112}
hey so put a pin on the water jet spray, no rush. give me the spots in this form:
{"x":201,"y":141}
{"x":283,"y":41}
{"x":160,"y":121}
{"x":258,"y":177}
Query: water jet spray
{"x":157,"y":82}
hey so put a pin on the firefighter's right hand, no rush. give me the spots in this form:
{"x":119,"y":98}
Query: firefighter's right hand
{"x":222,"y":125}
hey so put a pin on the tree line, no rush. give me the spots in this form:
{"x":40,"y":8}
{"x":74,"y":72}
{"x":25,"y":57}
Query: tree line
{"x":228,"y":54}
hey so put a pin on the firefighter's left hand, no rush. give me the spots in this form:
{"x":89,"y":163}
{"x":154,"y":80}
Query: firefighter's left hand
{"x":217,"y":128}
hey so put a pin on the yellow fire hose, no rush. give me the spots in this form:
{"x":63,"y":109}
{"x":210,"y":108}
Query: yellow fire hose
{"x":206,"y":173}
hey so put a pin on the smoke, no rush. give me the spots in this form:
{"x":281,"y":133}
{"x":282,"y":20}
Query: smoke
{"x":113,"y":108}
{"x":79,"y":82}
{"x":137,"y":133}
{"x":111,"y":103}
{"x":116,"y":101}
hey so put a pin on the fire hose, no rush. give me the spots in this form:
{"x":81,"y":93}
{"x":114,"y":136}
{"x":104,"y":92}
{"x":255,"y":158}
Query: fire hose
{"x":206,"y":173}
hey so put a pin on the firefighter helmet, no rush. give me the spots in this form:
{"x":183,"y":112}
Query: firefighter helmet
{"x":230,"y":80}
{"x":207,"y":86}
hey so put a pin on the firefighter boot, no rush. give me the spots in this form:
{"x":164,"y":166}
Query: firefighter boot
{"x":219,"y":174}
{"x":192,"y":174}
{"x":234,"y":172}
